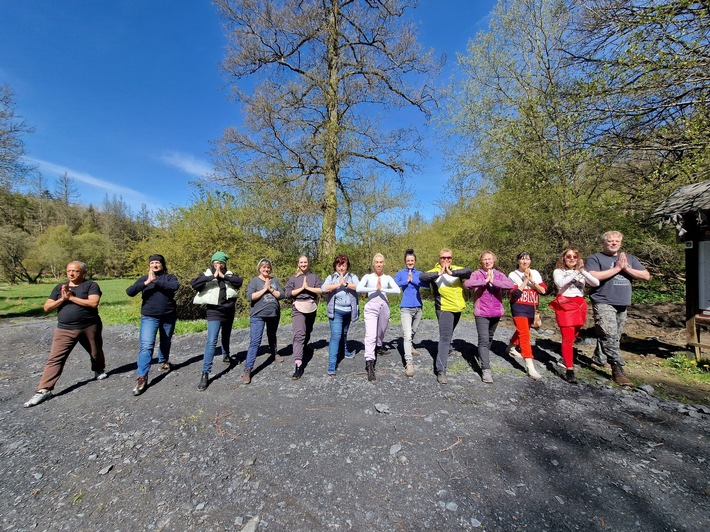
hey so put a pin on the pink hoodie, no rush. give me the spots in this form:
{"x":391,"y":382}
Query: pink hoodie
{"x":488,"y":297}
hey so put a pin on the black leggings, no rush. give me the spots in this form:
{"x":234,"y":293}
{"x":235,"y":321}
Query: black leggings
{"x":447,"y":324}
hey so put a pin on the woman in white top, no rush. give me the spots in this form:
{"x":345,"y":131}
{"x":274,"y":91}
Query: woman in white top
{"x":377,"y":311}
{"x":569,"y":305}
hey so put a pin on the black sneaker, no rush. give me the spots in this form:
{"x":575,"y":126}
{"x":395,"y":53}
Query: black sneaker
{"x":227,"y":359}
{"x":569,"y":376}
{"x":381,"y":351}
{"x":297,"y":373}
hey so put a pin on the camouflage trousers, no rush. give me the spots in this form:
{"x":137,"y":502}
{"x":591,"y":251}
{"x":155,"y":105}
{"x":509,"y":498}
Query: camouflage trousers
{"x":609,"y":323}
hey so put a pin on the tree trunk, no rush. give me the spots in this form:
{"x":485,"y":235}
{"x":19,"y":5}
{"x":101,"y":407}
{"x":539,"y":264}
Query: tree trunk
{"x":332,"y":137}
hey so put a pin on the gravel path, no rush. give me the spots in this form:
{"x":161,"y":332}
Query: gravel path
{"x":339,"y":453}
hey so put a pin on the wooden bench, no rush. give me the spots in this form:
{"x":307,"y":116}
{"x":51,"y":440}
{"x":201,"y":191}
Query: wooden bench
{"x":693,"y":327}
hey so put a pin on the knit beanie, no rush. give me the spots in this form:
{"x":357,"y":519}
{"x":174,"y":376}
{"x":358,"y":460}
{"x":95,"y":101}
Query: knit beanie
{"x":159,"y":258}
{"x":221,"y":256}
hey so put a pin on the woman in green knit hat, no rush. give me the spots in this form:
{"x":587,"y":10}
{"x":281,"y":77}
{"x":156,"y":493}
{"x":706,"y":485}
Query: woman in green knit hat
{"x":217,"y":289}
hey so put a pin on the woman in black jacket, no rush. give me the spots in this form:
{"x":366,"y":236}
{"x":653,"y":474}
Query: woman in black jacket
{"x":158,"y":315}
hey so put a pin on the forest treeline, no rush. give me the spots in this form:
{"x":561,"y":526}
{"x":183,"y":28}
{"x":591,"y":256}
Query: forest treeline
{"x":564,"y":119}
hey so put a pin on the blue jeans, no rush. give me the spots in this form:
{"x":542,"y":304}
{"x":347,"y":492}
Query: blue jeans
{"x":149,"y":327}
{"x":339,"y":325}
{"x":256,"y":332}
{"x":213,"y":328}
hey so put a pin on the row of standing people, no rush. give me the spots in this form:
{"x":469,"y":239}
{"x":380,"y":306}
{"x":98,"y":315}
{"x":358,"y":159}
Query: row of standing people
{"x":609,"y":274}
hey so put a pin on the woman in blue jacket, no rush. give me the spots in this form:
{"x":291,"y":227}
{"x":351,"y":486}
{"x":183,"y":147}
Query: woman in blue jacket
{"x":411,"y":306}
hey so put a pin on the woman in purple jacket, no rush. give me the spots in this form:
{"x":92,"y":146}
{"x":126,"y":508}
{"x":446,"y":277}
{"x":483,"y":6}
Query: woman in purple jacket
{"x":488,"y":285}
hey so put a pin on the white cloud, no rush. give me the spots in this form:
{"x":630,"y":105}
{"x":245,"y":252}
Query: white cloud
{"x":129,"y":194}
{"x":187,"y":163}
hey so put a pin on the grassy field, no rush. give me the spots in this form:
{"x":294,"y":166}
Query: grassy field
{"x":117,"y":308}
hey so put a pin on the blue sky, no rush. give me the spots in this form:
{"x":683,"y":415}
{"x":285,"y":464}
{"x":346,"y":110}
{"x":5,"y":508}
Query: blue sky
{"x":126,"y":95}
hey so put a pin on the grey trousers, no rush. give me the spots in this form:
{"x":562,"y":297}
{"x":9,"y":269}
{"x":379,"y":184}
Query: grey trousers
{"x":410,"y":316}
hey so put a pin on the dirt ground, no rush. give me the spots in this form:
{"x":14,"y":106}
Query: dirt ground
{"x":340,"y":453}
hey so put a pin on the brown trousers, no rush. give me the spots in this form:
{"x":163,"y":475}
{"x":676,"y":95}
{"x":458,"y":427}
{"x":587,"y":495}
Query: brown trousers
{"x":63,"y":341}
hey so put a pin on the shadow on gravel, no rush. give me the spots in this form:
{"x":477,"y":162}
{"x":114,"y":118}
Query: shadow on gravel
{"x":558,"y":449}
{"x":73,"y":387}
{"x":649,"y":346}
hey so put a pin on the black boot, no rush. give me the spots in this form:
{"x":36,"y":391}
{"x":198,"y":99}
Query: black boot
{"x":370,"y":368}
{"x":204,"y":382}
{"x":569,"y":376}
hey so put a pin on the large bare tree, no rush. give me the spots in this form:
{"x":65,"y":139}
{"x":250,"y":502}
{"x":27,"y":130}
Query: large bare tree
{"x":315,"y":78}
{"x":13,"y":169}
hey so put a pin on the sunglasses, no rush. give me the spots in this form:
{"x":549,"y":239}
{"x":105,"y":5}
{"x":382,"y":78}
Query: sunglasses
{"x":445,"y":258}
{"x":571,"y":256}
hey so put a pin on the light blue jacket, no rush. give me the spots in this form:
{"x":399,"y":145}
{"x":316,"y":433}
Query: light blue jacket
{"x":334,"y":278}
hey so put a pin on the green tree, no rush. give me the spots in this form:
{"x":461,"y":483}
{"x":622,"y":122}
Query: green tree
{"x":95,"y":250}
{"x":526,"y":180}
{"x":643,"y":90}
{"x":189,"y":236}
{"x":533,"y":175}
{"x":14,"y":244}
{"x":52,"y":250}
{"x":321,"y":69}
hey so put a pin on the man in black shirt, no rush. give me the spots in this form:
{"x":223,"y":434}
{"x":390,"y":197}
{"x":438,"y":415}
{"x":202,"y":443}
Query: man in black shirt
{"x":78,"y":321}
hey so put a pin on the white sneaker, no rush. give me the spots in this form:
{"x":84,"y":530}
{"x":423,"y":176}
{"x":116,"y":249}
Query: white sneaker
{"x":512,"y":350}
{"x":487,"y":376}
{"x":39,"y":397}
{"x":409,"y":370}
{"x":532,"y":372}
{"x":100,"y":375}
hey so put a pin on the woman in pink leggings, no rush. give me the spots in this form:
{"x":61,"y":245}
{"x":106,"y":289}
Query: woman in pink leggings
{"x":377,"y":310}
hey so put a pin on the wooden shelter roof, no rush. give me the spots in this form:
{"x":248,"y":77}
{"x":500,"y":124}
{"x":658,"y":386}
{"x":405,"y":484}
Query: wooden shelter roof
{"x":688,"y":199}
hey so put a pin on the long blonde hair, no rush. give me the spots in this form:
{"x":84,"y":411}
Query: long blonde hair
{"x":298,"y":270}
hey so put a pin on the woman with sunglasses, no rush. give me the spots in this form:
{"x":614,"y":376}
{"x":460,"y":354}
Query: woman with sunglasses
{"x":569,"y":304}
{"x":263,"y":294}
{"x":446,"y":282}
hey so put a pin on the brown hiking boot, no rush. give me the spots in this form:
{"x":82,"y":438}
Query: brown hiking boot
{"x":618,"y":376}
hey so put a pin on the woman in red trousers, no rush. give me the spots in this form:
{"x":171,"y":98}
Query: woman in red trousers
{"x":569,"y":305}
